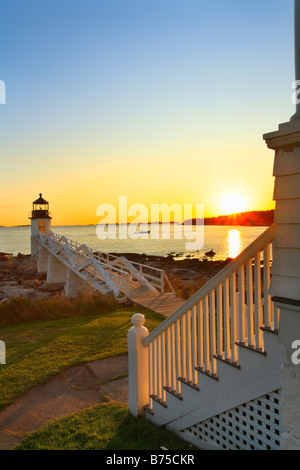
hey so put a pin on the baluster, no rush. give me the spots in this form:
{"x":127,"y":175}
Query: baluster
{"x":249,"y":282}
{"x":194,"y":346}
{"x":226,"y":319}
{"x":177,"y":354}
{"x":183,"y":348}
{"x":172,"y":365}
{"x":258,"y":302}
{"x":213,"y":345}
{"x":154,"y":368}
{"x":158,"y":367}
{"x":188,"y":346}
{"x":150,"y":373}
{"x":220,"y":348}
{"x":267,"y":297}
{"x":200,"y":333}
{"x":276,"y":317}
{"x":168,"y":358}
{"x":241,"y":306}
{"x":233,"y":318}
{"x":206,"y":334}
{"x":163,"y":364}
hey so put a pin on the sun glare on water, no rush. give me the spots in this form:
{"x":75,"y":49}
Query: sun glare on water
{"x":232,"y":203}
{"x":234,"y":243}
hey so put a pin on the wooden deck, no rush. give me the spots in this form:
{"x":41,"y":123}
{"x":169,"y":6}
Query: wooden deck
{"x":165,"y":304}
{"x":140,"y":283}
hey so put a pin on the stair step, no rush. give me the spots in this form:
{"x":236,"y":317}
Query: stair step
{"x":173,"y":393}
{"x":251,"y":348}
{"x":190,"y":384}
{"x":159,"y":401}
{"x":148,"y":409}
{"x":269,"y":330}
{"x":228,"y":361}
{"x":207,"y":373}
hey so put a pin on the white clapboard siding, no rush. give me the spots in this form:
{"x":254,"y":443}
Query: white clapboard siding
{"x":287,"y":236}
{"x":287,"y":262}
{"x":283,"y":286}
{"x":287,"y":187}
{"x":286,"y":163}
{"x":287,"y":212}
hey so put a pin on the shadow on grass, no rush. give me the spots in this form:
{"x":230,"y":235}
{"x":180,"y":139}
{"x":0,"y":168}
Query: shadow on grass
{"x":108,"y":426}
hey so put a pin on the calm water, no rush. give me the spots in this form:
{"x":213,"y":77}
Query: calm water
{"x":224,"y":240}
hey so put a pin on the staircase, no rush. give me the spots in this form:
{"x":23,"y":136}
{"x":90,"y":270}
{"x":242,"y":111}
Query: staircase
{"x":213,"y":366}
{"x":144,"y":285}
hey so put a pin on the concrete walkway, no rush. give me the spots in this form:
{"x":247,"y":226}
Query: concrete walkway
{"x":73,"y":390}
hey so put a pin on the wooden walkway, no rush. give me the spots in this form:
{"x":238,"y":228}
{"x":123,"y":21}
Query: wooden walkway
{"x":142,"y":284}
{"x":165,"y":304}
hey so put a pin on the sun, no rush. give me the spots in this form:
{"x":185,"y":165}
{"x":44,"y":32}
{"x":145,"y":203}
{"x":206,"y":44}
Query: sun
{"x":233,"y":203}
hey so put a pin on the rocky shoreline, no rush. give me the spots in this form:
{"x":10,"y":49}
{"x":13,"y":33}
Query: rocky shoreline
{"x":186,"y":269}
{"x":19,"y":276}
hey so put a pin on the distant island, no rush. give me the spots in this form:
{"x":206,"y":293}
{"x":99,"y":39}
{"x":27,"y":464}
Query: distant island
{"x":251,"y":218}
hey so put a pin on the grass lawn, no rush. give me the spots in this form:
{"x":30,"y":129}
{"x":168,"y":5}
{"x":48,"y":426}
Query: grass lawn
{"x":85,"y":330}
{"x":108,"y":426}
{"x":35,"y":352}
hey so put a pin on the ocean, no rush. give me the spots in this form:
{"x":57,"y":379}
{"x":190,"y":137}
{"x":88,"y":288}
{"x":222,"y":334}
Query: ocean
{"x":225,"y":241}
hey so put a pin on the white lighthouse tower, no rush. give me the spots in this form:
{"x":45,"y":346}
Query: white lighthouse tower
{"x":40,"y":221}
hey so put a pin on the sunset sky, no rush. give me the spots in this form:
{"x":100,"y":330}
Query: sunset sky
{"x":162,"y":101}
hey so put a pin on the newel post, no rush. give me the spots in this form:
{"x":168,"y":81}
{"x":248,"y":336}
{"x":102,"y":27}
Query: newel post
{"x":137,"y":366}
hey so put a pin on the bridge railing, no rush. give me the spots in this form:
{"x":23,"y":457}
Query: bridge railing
{"x":86,"y":266}
{"x":154,"y":278}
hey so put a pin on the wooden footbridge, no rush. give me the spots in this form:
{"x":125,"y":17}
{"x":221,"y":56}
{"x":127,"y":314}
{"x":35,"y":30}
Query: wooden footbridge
{"x":76,"y":265}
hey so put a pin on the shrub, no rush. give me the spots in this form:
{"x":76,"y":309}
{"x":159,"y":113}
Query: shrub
{"x":21,"y":310}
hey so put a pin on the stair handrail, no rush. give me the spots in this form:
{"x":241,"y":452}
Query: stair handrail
{"x":248,"y":253}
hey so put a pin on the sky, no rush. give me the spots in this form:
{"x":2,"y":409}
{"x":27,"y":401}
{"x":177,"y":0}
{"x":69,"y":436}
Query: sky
{"x":162,"y":101}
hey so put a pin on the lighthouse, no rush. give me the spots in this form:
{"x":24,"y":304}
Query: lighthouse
{"x":40,"y":221}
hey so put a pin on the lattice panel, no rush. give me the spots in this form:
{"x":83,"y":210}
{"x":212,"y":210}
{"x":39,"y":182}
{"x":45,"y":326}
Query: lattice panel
{"x":255,"y":425}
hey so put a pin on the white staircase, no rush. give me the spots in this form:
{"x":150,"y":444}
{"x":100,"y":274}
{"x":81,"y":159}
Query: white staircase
{"x":214,"y":364}
{"x":102,"y":271}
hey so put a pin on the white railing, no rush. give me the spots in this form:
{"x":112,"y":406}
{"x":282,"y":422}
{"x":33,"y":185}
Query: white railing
{"x":86,"y":266}
{"x":231,"y":308}
{"x":119,"y":269}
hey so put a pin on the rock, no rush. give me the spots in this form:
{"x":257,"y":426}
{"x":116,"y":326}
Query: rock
{"x":5,"y":270}
{"x":31,"y":283}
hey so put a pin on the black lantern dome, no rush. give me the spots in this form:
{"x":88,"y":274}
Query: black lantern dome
{"x":40,"y":209}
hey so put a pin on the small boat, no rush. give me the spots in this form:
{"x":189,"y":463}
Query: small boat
{"x":141,"y":231}
{"x":210,"y":253}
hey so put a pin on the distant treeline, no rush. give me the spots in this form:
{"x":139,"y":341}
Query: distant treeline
{"x":251,"y":218}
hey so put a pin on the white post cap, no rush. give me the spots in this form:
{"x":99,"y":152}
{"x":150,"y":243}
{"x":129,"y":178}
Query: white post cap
{"x":138,"y":320}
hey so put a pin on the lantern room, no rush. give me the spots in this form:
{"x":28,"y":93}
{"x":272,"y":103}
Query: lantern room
{"x":40,"y":209}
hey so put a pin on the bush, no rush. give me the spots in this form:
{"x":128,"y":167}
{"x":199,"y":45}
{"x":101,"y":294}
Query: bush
{"x":185,"y":289}
{"x":22,"y":310}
